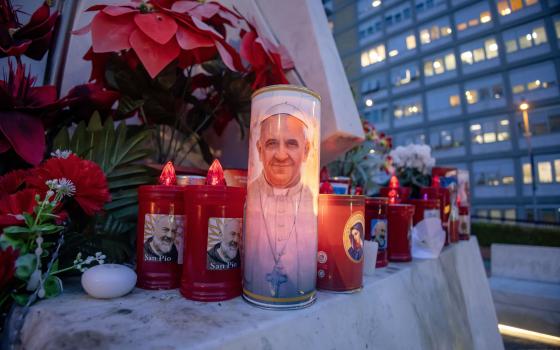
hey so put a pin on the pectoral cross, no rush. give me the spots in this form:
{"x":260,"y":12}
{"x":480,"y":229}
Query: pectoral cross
{"x":275,"y":279}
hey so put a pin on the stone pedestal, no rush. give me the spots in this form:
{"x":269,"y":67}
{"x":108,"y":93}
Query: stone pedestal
{"x":427,"y":304}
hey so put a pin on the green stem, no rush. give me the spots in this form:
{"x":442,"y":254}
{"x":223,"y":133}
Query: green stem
{"x":63,"y":270}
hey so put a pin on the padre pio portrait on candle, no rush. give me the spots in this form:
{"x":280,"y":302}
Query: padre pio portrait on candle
{"x":280,"y":242}
{"x":224,"y":239}
{"x":162,"y":235}
{"x":379,"y":232}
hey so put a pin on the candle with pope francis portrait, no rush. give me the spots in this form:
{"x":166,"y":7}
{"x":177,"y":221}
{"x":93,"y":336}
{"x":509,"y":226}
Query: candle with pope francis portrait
{"x":280,"y":233}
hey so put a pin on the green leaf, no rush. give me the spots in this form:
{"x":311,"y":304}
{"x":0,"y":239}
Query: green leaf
{"x":29,"y":219}
{"x":17,"y":229}
{"x":128,"y":105}
{"x":133,"y":181}
{"x":25,"y":265}
{"x":53,"y":287}
{"x":120,"y":203}
{"x":62,"y":140}
{"x":14,"y":242}
{"x":50,"y":228}
{"x":21,"y":299}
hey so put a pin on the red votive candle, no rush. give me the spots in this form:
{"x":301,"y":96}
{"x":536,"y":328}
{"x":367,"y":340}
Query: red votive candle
{"x":159,"y":240}
{"x":464,"y":223}
{"x":395,"y":192}
{"x":376,"y":226}
{"x":424,"y":208}
{"x":340,"y":257}
{"x":214,"y":215}
{"x":399,"y":217}
{"x":442,"y":195}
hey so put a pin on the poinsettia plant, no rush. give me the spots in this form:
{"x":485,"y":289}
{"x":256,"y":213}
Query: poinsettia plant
{"x":34,"y":217}
{"x":368,"y":164}
{"x":176,"y":66}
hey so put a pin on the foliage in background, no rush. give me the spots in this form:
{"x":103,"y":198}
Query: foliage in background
{"x":116,"y":151}
{"x":368,"y":164}
{"x":488,"y":233}
{"x":413,"y":164}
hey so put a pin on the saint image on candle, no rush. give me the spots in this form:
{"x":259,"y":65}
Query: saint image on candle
{"x":379,"y":232}
{"x":280,"y":243}
{"x":224,"y":238}
{"x":356,"y":242}
{"x":161,"y":237}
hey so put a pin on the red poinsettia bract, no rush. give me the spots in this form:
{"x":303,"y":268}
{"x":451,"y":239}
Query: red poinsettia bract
{"x":159,"y":32}
{"x":8,"y":259}
{"x":92,"y":191}
{"x":12,"y":182}
{"x":265,"y":59}
{"x":33,"y":39}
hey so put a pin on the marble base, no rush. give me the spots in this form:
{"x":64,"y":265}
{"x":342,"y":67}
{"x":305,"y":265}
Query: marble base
{"x":426,"y":304}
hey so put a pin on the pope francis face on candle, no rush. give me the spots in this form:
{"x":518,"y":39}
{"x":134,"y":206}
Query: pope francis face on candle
{"x":282,"y":148}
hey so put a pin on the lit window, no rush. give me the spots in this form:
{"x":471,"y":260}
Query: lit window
{"x":478,"y":54}
{"x":511,"y":46}
{"x":507,"y":180}
{"x":454,"y":100}
{"x":527,"y":178}
{"x":466,"y":57}
{"x":425,"y":36}
{"x":393,"y":53}
{"x":545,"y":172}
{"x":472,"y":96}
{"x":450,"y":61}
{"x":517,"y":89}
{"x":557,"y":28}
{"x":489,"y":137}
{"x":539,"y":36}
{"x":428,"y":69}
{"x":376,"y":3}
{"x":491,"y":48}
{"x":438,"y":66}
{"x":557,"y":169}
{"x":411,"y":42}
{"x":507,"y":7}
{"x":485,"y":17}
{"x":461,"y":26}
{"x":369,"y":102}
{"x":373,"y":56}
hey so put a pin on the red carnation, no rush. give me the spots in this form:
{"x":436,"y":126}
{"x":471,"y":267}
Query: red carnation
{"x":8,"y":259}
{"x":14,"y":205}
{"x":92,"y":191}
{"x":12,"y":182}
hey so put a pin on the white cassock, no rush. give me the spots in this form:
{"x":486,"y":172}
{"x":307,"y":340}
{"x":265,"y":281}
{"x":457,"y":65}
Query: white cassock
{"x":281,"y":233}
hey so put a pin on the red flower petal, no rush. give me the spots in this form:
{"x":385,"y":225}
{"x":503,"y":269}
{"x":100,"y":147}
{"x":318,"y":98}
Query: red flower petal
{"x":39,"y":47}
{"x":4,"y":144}
{"x":230,"y":56}
{"x":30,"y":31}
{"x":11,"y":182}
{"x":95,"y":8}
{"x":154,"y":56}
{"x":118,"y":10}
{"x":189,"y":39}
{"x":111,"y":34}
{"x":184,"y":6}
{"x":158,"y":26}
{"x":25,"y":133}
{"x":41,"y":96}
{"x":15,"y":50}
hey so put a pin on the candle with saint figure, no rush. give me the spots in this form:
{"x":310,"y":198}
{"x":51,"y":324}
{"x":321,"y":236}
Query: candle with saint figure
{"x":340,"y":260}
{"x":376,"y":226}
{"x":214,"y":216}
{"x":399,"y":217}
{"x":280,"y":238}
{"x":159,"y":240}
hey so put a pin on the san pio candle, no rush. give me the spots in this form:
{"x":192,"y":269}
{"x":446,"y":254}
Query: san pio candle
{"x":341,"y":226}
{"x":376,"y":226}
{"x":424,"y":208}
{"x":399,"y":217}
{"x":214,"y":219}
{"x":159,"y":239}
{"x":280,"y":241}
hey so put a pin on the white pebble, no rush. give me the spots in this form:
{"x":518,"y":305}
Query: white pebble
{"x":108,"y":281}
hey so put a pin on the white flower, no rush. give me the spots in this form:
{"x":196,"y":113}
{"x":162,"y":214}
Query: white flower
{"x":61,"y":154}
{"x":63,"y":186}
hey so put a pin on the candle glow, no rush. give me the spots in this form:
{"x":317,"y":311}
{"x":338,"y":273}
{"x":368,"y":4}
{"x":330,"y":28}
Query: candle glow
{"x":167,"y":177}
{"x":215,"y":176}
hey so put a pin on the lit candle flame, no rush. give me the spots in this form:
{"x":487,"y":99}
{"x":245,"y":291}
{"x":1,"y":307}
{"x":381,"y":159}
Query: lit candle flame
{"x":436,"y":182}
{"x":167,"y":177}
{"x":393,"y":193}
{"x":215,"y":176}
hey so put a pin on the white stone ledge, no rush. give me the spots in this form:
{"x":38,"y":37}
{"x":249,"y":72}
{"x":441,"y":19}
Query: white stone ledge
{"x":427,"y":304}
